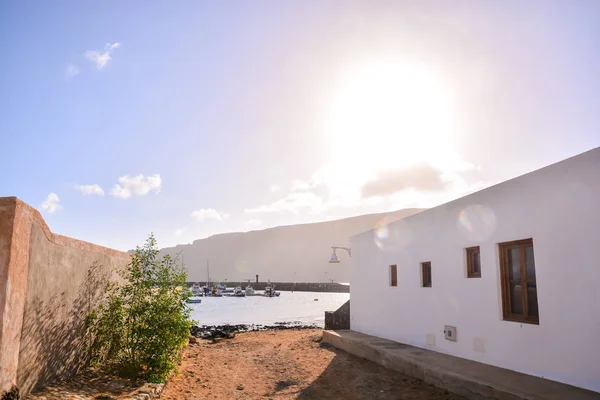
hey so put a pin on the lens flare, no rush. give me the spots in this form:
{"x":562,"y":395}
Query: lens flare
{"x":476,"y":222}
{"x":241,"y":265}
{"x":391,"y":236}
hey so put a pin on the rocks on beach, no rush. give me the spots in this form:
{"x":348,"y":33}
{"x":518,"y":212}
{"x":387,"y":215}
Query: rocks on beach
{"x":229,"y":331}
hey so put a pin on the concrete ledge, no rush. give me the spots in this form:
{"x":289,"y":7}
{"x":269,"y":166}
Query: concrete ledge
{"x":464,"y":377}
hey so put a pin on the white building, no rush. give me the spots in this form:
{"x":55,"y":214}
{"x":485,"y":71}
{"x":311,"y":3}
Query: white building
{"x":540,"y":231}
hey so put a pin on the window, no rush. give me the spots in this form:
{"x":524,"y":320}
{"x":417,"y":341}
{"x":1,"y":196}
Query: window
{"x":393,"y":275}
{"x":519,"y":289}
{"x":473,"y":262}
{"x":426,"y":273}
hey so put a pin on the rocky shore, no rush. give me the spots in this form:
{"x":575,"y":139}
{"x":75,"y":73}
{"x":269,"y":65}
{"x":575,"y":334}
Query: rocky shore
{"x":229,"y":331}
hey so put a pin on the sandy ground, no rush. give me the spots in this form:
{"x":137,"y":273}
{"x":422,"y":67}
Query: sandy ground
{"x":288,"y":364}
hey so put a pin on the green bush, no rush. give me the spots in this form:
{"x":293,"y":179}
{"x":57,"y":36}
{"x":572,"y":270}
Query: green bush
{"x":142,"y":325}
{"x":12,"y":394}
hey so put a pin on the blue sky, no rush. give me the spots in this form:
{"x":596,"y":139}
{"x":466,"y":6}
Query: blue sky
{"x":230,"y":116}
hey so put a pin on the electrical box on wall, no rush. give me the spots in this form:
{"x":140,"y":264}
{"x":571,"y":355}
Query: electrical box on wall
{"x":450,"y":333}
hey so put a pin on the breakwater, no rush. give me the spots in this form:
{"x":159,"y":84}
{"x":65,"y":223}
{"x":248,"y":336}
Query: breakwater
{"x":290,"y":286}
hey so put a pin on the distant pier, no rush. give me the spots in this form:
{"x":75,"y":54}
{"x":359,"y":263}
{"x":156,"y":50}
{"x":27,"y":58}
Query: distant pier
{"x":289,"y":286}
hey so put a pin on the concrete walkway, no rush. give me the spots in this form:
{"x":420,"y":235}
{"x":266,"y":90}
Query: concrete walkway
{"x":468,"y":378}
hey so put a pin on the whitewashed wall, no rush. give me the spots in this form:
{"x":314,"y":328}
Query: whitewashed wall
{"x":559,"y":207}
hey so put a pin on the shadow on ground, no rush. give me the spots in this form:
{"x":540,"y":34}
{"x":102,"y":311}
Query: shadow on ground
{"x":353,"y":378}
{"x":88,"y":384}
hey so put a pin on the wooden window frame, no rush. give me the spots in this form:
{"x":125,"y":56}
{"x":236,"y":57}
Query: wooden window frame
{"x":471,"y":273}
{"x":426,"y":278}
{"x":393,"y":275}
{"x":505,"y":281}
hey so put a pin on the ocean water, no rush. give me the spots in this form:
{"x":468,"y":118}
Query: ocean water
{"x":306,"y":307}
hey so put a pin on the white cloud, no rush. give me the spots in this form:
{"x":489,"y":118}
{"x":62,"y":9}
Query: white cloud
{"x":334,"y":186}
{"x":255,"y":222}
{"x":208,"y":213}
{"x":101,"y":58}
{"x":274,"y":188}
{"x":422,"y":177}
{"x":292,"y":203}
{"x":51,"y":203}
{"x":71,"y":71}
{"x":136,"y":185}
{"x":94,"y":189}
{"x":299,"y":185}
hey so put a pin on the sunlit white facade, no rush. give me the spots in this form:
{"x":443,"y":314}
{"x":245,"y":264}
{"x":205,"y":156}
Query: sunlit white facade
{"x":558,"y":208}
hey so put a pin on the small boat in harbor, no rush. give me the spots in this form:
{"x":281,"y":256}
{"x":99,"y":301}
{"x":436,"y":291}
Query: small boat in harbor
{"x":238,"y":292}
{"x":270,"y":292}
{"x":194,"y":300}
{"x":197,"y":290}
{"x":249,"y":290}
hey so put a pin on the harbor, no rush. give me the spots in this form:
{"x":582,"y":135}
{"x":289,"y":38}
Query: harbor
{"x":220,"y":290}
{"x":305,"y":307}
{"x":331,"y":287}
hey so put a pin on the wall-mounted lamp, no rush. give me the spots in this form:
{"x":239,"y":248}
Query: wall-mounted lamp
{"x":334,"y":258}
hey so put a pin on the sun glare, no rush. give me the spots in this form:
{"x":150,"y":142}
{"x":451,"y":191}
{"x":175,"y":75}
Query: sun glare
{"x":387,"y":115}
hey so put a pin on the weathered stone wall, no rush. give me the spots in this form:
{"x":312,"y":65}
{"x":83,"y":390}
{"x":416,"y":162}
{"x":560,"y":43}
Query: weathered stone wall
{"x":10,"y":327}
{"x":339,"y":319}
{"x":52,"y":282}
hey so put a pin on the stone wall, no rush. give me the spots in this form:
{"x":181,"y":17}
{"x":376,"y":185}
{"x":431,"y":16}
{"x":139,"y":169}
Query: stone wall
{"x":48,"y":284}
{"x":10,"y":278}
{"x":339,"y":319}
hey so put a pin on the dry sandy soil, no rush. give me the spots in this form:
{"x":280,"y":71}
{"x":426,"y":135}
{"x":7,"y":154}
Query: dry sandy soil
{"x":291,"y":364}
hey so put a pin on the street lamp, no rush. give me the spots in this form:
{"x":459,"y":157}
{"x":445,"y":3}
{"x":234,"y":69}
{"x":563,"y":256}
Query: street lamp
{"x":334,"y":258}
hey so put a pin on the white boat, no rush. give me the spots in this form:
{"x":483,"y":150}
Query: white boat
{"x":270,"y":292}
{"x":249,"y":290}
{"x":238,"y":292}
{"x":197,"y":290}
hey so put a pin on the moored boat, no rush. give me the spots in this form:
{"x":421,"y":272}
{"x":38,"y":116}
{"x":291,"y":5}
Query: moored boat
{"x":197,"y":290}
{"x":270,"y":292}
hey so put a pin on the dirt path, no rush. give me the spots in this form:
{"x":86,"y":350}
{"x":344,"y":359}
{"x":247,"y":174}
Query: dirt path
{"x":288,"y":365}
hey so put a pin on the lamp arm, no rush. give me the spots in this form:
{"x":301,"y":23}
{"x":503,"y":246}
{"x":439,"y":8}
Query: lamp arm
{"x":348,"y":249}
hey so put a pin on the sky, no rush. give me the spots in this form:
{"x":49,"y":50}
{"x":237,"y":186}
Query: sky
{"x":193,"y":118}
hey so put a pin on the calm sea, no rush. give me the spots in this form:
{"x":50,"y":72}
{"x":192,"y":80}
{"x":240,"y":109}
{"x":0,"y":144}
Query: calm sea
{"x":306,"y":307}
